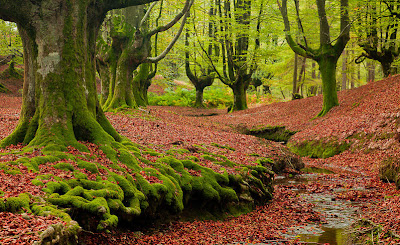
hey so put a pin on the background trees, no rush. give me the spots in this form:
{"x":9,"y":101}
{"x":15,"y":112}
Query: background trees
{"x":131,"y":45}
{"x":378,"y":30}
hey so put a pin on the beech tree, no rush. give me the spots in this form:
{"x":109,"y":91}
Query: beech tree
{"x":61,"y":115}
{"x":133,"y":48}
{"x":60,"y":103}
{"x":197,"y":68}
{"x":378,"y":32}
{"x":238,"y":49}
{"x":328,"y":53}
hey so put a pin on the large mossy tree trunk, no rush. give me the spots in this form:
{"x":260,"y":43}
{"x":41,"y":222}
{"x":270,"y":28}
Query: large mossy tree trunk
{"x":60,"y":108}
{"x":60,"y":103}
{"x":122,"y":95}
{"x":327,"y":67}
{"x":141,"y":83}
{"x":136,"y":50}
{"x":239,"y":94}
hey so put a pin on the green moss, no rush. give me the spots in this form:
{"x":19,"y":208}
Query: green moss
{"x":128,"y":159}
{"x":223,"y":146}
{"x":209,"y":158}
{"x":152,"y":153}
{"x":110,"y":152}
{"x":37,"y":182}
{"x":15,"y":204}
{"x":56,"y":187}
{"x":389,"y":170}
{"x":91,"y":167}
{"x":264,"y":161}
{"x":319,"y":149}
{"x":274,"y":133}
{"x":2,"y":205}
{"x":48,"y":209}
{"x":64,"y":166}
{"x":174,"y":152}
{"x":9,"y":169}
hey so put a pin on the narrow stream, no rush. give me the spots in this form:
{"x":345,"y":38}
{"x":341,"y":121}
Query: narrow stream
{"x":339,"y":214}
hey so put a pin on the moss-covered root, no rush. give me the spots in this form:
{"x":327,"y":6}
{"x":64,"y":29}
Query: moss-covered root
{"x":60,"y":234}
{"x":389,"y":171}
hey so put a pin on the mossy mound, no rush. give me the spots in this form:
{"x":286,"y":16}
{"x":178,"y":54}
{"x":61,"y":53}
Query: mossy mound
{"x":323,"y":148}
{"x":273,"y":133}
{"x":390,"y":170}
{"x":107,"y":186}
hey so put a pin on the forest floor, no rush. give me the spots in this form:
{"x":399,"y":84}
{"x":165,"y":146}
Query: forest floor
{"x":367,"y":119}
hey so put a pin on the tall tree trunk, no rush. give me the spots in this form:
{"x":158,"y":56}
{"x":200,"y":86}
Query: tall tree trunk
{"x":371,"y":71}
{"x":141,"y":83}
{"x":239,"y":95}
{"x":327,"y":66}
{"x":344,"y":70}
{"x":60,"y":100}
{"x":199,"y":97}
{"x":386,"y":68}
{"x":294,"y":89}
{"x":122,"y":96}
{"x":104,"y":74}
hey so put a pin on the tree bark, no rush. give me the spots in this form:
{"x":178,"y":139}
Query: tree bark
{"x":344,"y":70}
{"x":199,"y":97}
{"x":327,"y":66}
{"x":239,"y":95}
{"x":294,"y":89}
{"x":327,"y":54}
{"x":141,"y":83}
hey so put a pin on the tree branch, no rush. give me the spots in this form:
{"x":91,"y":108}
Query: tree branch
{"x":119,"y":4}
{"x":298,"y":49}
{"x":185,"y":9}
{"x":171,"y":44}
{"x":146,"y":16}
{"x":344,"y":26}
{"x":324,"y":29}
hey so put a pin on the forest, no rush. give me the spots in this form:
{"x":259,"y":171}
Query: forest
{"x":199,"y":122}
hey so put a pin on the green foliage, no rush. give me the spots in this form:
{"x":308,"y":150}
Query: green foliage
{"x":214,"y":97}
{"x":10,"y":41}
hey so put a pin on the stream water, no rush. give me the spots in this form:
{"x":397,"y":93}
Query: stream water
{"x":339,"y":215}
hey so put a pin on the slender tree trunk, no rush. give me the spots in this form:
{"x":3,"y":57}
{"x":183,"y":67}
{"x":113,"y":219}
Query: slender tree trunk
{"x":371,"y":72}
{"x":327,"y":67}
{"x":294,"y":89}
{"x":344,"y":70}
{"x":104,"y":74}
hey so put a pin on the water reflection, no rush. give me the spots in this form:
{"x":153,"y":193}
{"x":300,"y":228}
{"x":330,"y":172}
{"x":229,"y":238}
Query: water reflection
{"x":332,"y":236}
